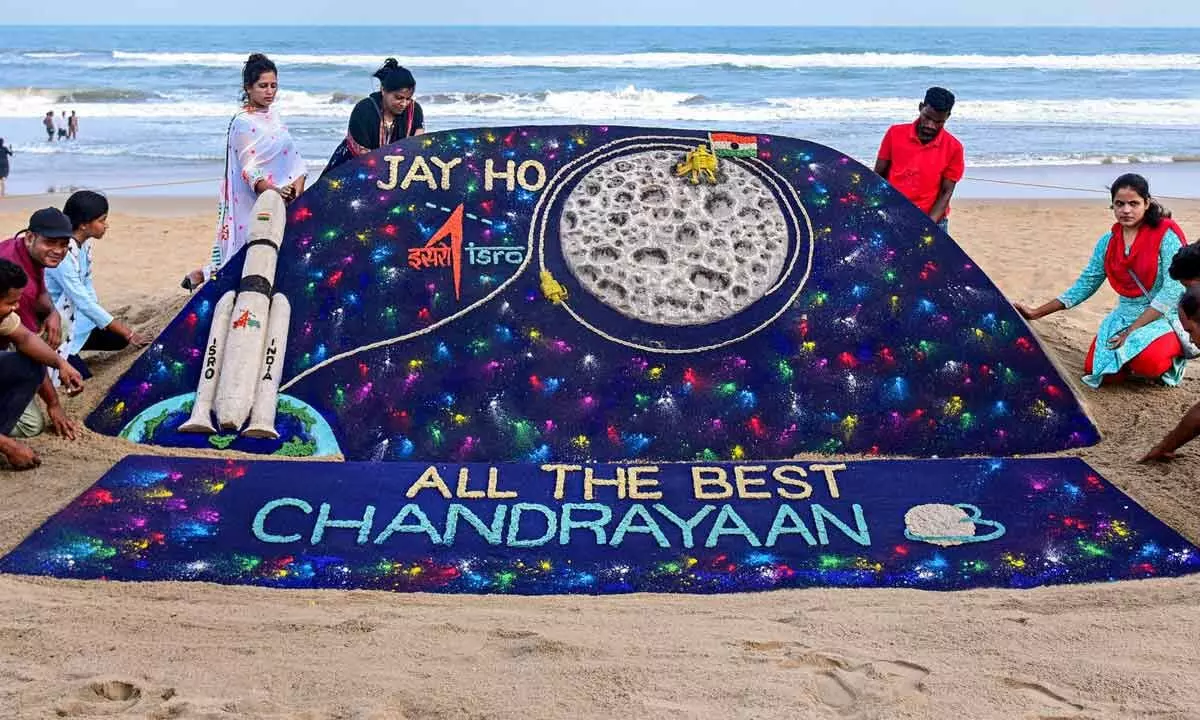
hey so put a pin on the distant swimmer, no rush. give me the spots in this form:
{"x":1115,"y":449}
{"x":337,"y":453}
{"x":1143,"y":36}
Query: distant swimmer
{"x":5,"y":152}
{"x":48,"y":122}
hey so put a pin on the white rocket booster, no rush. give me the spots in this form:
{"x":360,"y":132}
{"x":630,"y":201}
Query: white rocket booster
{"x":201,"y":418}
{"x":262,"y":415}
{"x":247,"y":341}
{"x":243,"y":348}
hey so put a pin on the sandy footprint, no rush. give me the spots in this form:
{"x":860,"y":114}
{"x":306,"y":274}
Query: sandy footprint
{"x":837,"y":689}
{"x":848,"y":684}
{"x":103,"y":697}
{"x":1058,"y":704}
{"x":1051,"y":699}
{"x":99,"y":698}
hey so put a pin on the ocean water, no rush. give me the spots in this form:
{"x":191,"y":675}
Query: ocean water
{"x":1033,"y":104}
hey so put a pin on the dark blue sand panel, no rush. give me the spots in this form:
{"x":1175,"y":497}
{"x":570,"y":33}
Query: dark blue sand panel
{"x":522,"y":528}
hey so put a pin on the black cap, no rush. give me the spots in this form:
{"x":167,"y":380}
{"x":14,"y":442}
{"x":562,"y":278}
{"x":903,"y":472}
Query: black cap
{"x":50,"y":222}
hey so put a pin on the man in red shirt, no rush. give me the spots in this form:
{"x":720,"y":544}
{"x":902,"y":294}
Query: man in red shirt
{"x":44,"y":244}
{"x":922,"y":160}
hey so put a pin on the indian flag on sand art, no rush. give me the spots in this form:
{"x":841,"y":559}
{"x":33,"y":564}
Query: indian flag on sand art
{"x":733,"y":145}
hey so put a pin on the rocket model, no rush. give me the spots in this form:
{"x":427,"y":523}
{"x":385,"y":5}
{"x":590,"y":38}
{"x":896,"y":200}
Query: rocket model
{"x":243,"y":357}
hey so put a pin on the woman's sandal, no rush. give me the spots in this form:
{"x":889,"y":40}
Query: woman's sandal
{"x":188,"y":284}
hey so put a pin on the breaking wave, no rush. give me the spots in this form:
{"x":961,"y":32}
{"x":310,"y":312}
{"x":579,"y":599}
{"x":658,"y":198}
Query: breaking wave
{"x":626,"y":105}
{"x":664,"y":60}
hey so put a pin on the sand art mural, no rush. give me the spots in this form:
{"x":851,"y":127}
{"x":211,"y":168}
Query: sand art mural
{"x":606,"y":528}
{"x":600,"y":293}
{"x":578,"y":360}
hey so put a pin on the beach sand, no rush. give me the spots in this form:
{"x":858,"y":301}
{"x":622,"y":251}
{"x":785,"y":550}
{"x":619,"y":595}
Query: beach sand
{"x":191,"y":650}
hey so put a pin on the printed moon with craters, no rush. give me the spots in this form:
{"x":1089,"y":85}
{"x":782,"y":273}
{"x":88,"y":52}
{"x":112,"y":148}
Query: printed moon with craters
{"x":659,"y":249}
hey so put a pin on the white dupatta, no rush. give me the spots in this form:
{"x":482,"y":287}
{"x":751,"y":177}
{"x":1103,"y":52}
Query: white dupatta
{"x":258,"y":146}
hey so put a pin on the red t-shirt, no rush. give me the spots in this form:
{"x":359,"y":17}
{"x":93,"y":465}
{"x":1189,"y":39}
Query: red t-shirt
{"x":14,"y":250}
{"x":917,"y":169}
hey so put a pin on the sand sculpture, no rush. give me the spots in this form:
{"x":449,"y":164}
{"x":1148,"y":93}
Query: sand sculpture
{"x":591,"y":355}
{"x":565,"y":294}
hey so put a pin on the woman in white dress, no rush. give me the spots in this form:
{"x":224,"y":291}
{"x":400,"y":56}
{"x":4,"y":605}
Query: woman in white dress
{"x":260,"y":155}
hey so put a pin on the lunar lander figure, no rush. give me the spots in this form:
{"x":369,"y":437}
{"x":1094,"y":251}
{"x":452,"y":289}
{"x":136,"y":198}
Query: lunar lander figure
{"x":699,"y":163}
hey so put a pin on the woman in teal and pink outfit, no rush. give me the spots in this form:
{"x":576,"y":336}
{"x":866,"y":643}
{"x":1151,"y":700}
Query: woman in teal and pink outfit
{"x":1138,"y":337}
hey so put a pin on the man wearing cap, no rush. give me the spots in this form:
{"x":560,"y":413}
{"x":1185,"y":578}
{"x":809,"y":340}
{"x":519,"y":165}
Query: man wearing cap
{"x":922,"y":160}
{"x":42,"y":245}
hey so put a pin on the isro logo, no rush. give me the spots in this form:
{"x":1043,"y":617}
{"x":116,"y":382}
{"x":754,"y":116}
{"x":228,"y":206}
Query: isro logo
{"x":444,"y":249}
{"x":246,"y":320}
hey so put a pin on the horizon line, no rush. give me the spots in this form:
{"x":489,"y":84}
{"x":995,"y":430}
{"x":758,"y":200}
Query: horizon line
{"x":906,"y":26}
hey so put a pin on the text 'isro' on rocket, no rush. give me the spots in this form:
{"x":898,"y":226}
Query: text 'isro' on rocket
{"x":243,"y":357}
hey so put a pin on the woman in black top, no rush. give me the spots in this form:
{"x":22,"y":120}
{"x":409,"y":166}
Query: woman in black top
{"x":382,"y":117}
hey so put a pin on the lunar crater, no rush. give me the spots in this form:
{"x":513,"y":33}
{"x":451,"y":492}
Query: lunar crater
{"x":659,"y":249}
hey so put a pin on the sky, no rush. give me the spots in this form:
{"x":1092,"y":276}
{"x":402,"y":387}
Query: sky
{"x":1165,"y":13}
